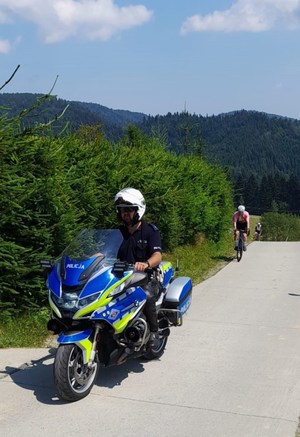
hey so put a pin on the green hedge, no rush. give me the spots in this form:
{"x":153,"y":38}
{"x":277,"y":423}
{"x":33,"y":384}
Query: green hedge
{"x":280,"y":227}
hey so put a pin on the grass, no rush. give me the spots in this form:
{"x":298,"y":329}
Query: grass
{"x":201,"y":260}
{"x":29,"y":330}
{"x":198,"y":261}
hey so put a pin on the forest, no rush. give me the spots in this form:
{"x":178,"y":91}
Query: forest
{"x":260,"y":152}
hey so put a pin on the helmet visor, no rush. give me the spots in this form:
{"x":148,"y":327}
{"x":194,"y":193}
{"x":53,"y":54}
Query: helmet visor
{"x":126,"y":208}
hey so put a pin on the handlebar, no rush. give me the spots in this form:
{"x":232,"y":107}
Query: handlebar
{"x":122,"y":266}
{"x":243,"y":231}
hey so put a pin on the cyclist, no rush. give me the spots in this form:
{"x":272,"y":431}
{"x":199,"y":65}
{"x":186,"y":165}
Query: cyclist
{"x":241,"y":222}
{"x":141,"y":246}
{"x":257,"y":231}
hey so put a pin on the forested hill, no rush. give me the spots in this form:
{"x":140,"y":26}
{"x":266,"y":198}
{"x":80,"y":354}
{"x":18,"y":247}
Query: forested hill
{"x":261,"y":151}
{"x":112,"y":122}
{"x":244,"y":141}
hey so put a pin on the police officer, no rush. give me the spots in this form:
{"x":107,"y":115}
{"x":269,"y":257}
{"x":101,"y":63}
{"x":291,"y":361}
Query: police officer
{"x":141,"y":246}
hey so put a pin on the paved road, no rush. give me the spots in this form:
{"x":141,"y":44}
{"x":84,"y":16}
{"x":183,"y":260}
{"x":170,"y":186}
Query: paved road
{"x":232,"y":369}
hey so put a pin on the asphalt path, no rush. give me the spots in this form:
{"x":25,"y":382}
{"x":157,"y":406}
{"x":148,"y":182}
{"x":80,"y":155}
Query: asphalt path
{"x":231,"y":370}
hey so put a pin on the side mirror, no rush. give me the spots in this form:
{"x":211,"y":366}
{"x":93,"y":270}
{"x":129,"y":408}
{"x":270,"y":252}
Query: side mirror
{"x":119,"y":268}
{"x":47,"y":264}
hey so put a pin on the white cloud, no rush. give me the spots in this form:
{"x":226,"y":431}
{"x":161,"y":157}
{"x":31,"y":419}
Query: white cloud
{"x":88,"y":19}
{"x":248,"y":16}
{"x":5,"y":46}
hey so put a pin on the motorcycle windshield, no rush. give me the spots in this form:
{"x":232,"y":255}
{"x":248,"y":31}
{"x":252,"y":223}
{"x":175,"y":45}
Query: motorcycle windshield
{"x":94,"y":243}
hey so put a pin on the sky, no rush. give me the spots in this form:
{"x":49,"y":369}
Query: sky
{"x":156,"y":56}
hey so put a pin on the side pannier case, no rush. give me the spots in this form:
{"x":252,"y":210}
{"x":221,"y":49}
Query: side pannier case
{"x":178,"y":299}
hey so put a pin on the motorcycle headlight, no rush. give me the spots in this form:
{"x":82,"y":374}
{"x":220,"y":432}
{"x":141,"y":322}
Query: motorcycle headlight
{"x":67,"y":301}
{"x":87,"y":300}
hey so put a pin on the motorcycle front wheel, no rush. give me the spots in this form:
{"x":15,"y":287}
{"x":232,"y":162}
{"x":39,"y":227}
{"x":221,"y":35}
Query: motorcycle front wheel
{"x":73,"y":379}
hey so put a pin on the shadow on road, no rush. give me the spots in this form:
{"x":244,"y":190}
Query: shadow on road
{"x":37,"y":375}
{"x":111,"y":376}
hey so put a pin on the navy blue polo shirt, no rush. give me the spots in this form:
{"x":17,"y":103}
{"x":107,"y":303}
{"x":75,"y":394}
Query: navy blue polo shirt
{"x":140,"y":245}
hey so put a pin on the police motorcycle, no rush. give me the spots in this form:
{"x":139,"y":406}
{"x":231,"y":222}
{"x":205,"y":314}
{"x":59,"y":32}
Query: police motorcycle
{"x":97,"y":309}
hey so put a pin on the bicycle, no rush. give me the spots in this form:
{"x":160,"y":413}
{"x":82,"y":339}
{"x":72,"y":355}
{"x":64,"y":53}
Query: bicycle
{"x":257,"y":236}
{"x":240,"y":245}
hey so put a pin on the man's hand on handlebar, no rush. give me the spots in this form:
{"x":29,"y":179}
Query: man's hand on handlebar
{"x":141,"y":266}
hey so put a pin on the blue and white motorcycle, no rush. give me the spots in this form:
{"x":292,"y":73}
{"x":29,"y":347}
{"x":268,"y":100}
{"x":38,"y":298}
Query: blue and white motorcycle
{"x":97,"y":307}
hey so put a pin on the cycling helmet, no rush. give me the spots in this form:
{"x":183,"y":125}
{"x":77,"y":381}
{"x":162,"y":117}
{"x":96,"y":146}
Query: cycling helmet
{"x":241,"y":208}
{"x":131,"y":197}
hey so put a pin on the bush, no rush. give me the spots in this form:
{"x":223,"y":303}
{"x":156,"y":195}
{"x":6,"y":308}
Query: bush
{"x":280,"y":227}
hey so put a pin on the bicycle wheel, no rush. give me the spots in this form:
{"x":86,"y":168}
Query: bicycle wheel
{"x":239,"y":252}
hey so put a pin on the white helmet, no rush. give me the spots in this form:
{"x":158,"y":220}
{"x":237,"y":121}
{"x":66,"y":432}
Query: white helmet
{"x":241,"y":208}
{"x":131,"y":197}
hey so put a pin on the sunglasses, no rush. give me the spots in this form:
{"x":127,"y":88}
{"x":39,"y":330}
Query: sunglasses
{"x":126,"y":209}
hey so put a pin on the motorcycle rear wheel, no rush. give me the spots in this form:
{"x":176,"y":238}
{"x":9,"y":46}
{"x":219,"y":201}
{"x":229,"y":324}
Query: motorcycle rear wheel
{"x":157,"y":351}
{"x":73,"y":379}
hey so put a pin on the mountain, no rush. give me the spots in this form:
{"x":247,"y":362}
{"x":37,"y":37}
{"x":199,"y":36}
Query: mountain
{"x":245,"y":142}
{"x":260,"y":151}
{"x":113,"y":122}
{"x":118,"y":117}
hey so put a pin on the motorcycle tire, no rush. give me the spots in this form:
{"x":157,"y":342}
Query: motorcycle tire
{"x":157,"y":351}
{"x":73,"y":379}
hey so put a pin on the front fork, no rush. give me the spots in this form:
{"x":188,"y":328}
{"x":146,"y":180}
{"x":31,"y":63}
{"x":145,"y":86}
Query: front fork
{"x":94,"y":346}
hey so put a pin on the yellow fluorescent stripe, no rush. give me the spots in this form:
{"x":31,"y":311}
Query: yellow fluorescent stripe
{"x":166,"y":266}
{"x":92,"y":307}
{"x":121,"y":324}
{"x":102,"y":302}
{"x":86,"y":347}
